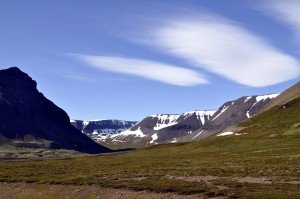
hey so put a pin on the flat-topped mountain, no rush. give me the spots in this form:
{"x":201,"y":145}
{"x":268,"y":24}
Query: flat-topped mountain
{"x":100,"y":130}
{"x":29,"y":119}
{"x":231,"y":113}
{"x":160,"y":128}
{"x":171,"y":128}
{"x":189,"y":126}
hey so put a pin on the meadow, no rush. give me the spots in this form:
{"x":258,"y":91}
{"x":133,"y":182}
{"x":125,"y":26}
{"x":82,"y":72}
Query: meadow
{"x":262,"y":162}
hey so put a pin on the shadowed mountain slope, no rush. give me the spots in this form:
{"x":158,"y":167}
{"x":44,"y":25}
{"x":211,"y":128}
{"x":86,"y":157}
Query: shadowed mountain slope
{"x":29,"y":119}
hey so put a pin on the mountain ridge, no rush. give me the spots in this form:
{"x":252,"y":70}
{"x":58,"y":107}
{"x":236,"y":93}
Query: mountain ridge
{"x":188,"y":126}
{"x":99,"y":130}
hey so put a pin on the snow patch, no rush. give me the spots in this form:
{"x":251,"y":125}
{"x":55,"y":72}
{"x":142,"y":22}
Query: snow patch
{"x":198,"y":134}
{"x":247,"y":99}
{"x":225,"y":133}
{"x":136,"y":133}
{"x":174,"y":140}
{"x":85,"y":123}
{"x":154,"y":137}
{"x":201,"y":115}
{"x":222,"y":111}
{"x":248,"y":114}
{"x":165,"y":121}
{"x":263,"y":97}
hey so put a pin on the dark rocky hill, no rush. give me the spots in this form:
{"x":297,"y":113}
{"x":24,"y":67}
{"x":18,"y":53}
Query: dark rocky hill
{"x":29,"y":119}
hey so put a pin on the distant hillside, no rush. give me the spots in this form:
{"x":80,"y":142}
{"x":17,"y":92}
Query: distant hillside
{"x":161,"y":128}
{"x":231,"y":113}
{"x":172,"y":128}
{"x":281,"y":117}
{"x":286,"y":96}
{"x":29,"y":119}
{"x":185,"y":127}
{"x":100,"y":130}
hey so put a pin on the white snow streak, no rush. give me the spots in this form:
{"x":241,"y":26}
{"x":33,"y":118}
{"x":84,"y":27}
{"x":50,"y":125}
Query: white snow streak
{"x":154,"y":137}
{"x":225,"y":133}
{"x":263,"y":97}
{"x":198,"y":134}
{"x":222,"y":111}
{"x":165,"y":121}
{"x":136,"y":133}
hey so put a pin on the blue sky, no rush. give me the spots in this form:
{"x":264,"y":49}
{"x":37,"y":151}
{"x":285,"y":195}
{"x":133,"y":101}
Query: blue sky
{"x":126,"y":59}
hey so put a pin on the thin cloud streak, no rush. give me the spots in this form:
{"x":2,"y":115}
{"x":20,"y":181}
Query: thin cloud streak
{"x":80,"y":78}
{"x":285,"y":11}
{"x":224,"y":48}
{"x":152,"y":70}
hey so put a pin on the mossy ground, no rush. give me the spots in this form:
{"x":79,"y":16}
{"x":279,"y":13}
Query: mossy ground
{"x":275,"y":158}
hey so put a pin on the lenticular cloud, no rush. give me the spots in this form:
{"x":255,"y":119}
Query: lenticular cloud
{"x":147,"y":69}
{"x":224,"y":48}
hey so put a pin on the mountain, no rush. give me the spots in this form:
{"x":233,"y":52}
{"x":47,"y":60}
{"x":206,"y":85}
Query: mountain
{"x":271,"y":110}
{"x":189,"y":126}
{"x":231,"y":113}
{"x":288,"y":95}
{"x":160,"y":128}
{"x":100,"y":130}
{"x":281,"y":117}
{"x":29,"y":119}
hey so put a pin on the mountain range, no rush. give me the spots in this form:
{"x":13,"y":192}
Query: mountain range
{"x":29,"y":119}
{"x":100,"y":130}
{"x":172,"y":128}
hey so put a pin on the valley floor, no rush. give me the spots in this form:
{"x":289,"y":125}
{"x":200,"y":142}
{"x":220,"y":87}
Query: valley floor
{"x":38,"y":191}
{"x":246,"y":166}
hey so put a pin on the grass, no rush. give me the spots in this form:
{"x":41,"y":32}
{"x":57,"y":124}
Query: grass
{"x":166,"y":168}
{"x":13,"y":152}
{"x":280,"y":120}
{"x":277,"y":158}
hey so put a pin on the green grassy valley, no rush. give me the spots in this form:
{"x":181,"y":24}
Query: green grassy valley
{"x":263,"y":162}
{"x":150,"y":99}
{"x":235,"y":166}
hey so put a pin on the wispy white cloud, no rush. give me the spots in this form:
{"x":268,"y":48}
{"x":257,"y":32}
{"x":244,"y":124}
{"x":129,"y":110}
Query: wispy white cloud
{"x":157,"y":71}
{"x":286,"y":11}
{"x":225,"y":48}
{"x":71,"y":74}
{"x":80,"y":78}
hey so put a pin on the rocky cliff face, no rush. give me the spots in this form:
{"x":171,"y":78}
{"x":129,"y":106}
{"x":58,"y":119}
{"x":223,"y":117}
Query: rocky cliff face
{"x":28,"y":118}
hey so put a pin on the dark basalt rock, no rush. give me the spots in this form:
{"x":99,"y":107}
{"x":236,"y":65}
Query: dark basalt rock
{"x":28,"y":118}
